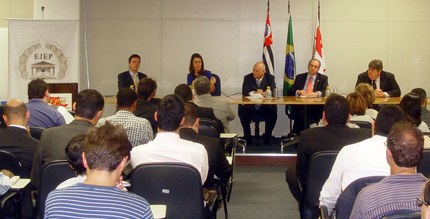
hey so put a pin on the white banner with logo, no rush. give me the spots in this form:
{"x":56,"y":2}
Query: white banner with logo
{"x":42,"y":49}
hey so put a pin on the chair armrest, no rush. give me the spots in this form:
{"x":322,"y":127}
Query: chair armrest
{"x":324,"y":212}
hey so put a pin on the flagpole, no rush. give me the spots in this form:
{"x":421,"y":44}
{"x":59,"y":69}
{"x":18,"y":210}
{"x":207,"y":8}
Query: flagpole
{"x":318,"y":9}
{"x":268,"y":6}
{"x":288,"y":6}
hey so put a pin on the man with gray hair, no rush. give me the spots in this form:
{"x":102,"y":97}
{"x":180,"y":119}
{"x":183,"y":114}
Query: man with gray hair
{"x":222,"y":109}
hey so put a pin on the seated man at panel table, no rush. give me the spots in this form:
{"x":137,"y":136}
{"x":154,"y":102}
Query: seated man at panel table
{"x":138,"y":129}
{"x":89,"y":108}
{"x":309,"y":84}
{"x":131,"y":77}
{"x":362,"y":159}
{"x":146,"y":101}
{"x":218,"y":163}
{"x":397,"y":192}
{"x":167,"y":146}
{"x":384,"y":83}
{"x":331,"y":137}
{"x":256,"y":83}
{"x":15,"y":138}
{"x":425,"y":113}
{"x":105,"y":155}
{"x":220,"y":106}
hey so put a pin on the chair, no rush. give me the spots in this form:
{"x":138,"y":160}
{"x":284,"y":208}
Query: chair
{"x":409,"y":215}
{"x":318,"y":171}
{"x":424,"y":166}
{"x":10,"y":162}
{"x":208,"y":127}
{"x":36,"y":132}
{"x":176,"y":185}
{"x":362,"y":124}
{"x":51,"y":175}
{"x":217,"y":91}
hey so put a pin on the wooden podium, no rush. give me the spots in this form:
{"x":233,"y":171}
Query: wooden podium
{"x":64,"y":88}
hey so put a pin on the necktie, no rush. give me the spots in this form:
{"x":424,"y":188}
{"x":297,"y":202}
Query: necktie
{"x":135,"y":81}
{"x":310,"y":87}
{"x":374,"y":85}
{"x":258,"y":82}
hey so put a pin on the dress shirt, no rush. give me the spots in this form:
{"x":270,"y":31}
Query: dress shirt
{"x":138,"y":129}
{"x":362,"y":118}
{"x":423,"y":127}
{"x":362,"y":159}
{"x":43,"y":115}
{"x":372,"y":113}
{"x":169,"y":147}
{"x":5,"y":183}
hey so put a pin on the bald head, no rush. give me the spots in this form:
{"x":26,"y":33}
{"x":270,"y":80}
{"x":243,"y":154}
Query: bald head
{"x":15,"y":112}
{"x":258,"y":70}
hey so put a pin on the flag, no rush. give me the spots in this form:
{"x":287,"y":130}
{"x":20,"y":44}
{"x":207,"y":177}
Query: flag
{"x":318,"y":47}
{"x":267,"y":50}
{"x":290,"y":60}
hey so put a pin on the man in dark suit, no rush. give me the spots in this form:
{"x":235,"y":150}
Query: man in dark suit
{"x":131,"y":77}
{"x":16,"y":138}
{"x":384,"y":83}
{"x":331,"y":137}
{"x":89,"y":108}
{"x":218,"y":163}
{"x":146,"y":102}
{"x":257,"y":82}
{"x":309,"y":84}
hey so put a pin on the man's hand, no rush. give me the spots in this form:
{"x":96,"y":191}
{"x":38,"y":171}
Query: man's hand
{"x":379,"y":93}
{"x":7,"y":173}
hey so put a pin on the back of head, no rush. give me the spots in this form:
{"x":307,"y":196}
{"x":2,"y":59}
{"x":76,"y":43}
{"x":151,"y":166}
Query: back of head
{"x":201,"y":85}
{"x":388,"y":115}
{"x":367,"y":92}
{"x":36,"y":89}
{"x":411,"y":105}
{"x":88,"y":103}
{"x":74,"y":150}
{"x":421,"y":93}
{"x":426,"y":192}
{"x":184,"y":91}
{"x":357,"y":104}
{"x":125,"y":97}
{"x":106,"y":147}
{"x":170,"y":112}
{"x":376,"y":64}
{"x":146,"y":87}
{"x":336,"y":110}
{"x":190,"y":114}
{"x":15,"y":110}
{"x":406,"y":144}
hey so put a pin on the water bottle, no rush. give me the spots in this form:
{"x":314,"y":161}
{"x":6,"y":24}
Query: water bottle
{"x":327,"y":91}
{"x":268,"y":92}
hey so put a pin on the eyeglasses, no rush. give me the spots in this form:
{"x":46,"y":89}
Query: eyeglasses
{"x":420,"y":202}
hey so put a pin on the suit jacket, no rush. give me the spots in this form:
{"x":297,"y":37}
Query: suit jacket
{"x":20,"y":143}
{"x":53,"y":143}
{"x":425,"y":116}
{"x":387,"y":83}
{"x":329,"y":138}
{"x":250,"y":84}
{"x":146,"y":109}
{"x":218,"y":163}
{"x":125,"y":79}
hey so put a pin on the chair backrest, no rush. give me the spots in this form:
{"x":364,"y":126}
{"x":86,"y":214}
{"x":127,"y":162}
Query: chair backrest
{"x":217,"y":91}
{"x":208,"y":127}
{"x":362,"y":124}
{"x":410,"y":215}
{"x":318,"y":171}
{"x":424,"y":166}
{"x":36,"y":132}
{"x":51,"y":175}
{"x":2,"y":122}
{"x":10,"y":162}
{"x":176,"y":185}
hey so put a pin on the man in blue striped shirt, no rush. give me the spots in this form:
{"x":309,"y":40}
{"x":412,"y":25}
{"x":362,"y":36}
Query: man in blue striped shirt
{"x":105,"y":155}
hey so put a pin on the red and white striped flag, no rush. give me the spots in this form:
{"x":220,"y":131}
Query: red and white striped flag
{"x":267,"y":49}
{"x":318,"y":47}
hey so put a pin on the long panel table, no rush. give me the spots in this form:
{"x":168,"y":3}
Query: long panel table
{"x":290,"y":100}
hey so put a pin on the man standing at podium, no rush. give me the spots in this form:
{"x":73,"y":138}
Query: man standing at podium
{"x":131,"y":77}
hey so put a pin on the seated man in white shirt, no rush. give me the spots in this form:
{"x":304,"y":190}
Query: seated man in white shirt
{"x":167,"y":146}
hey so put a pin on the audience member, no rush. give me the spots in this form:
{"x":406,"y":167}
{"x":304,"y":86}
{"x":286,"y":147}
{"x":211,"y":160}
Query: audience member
{"x":218,"y":163}
{"x":197,"y":68}
{"x":89,"y":108}
{"x":41,"y":114}
{"x":105,"y":155}
{"x":384,"y":83}
{"x":5,"y":182}
{"x":425,"y":113}
{"x":411,"y":105}
{"x":16,"y":138}
{"x":312,"y":84}
{"x":220,"y":106}
{"x":131,"y":78}
{"x":357,"y":108}
{"x":367,"y":92}
{"x":362,"y":159}
{"x":139,"y":130}
{"x":257,"y":82}
{"x":146,"y":102}
{"x":424,"y":201}
{"x":73,"y":152}
{"x":167,"y":146}
{"x":331,"y":137}
{"x":397,"y":192}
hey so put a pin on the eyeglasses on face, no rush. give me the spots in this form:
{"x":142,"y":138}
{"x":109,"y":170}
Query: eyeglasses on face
{"x":420,"y":202}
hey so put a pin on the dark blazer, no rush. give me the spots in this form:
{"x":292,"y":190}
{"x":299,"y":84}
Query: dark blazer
{"x":53,"y":143}
{"x":20,"y":143}
{"x":218,"y":163}
{"x":250,"y":84}
{"x":329,"y":138}
{"x":125,"y":79}
{"x":207,"y":112}
{"x":146,"y":109}
{"x":387,"y":83}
